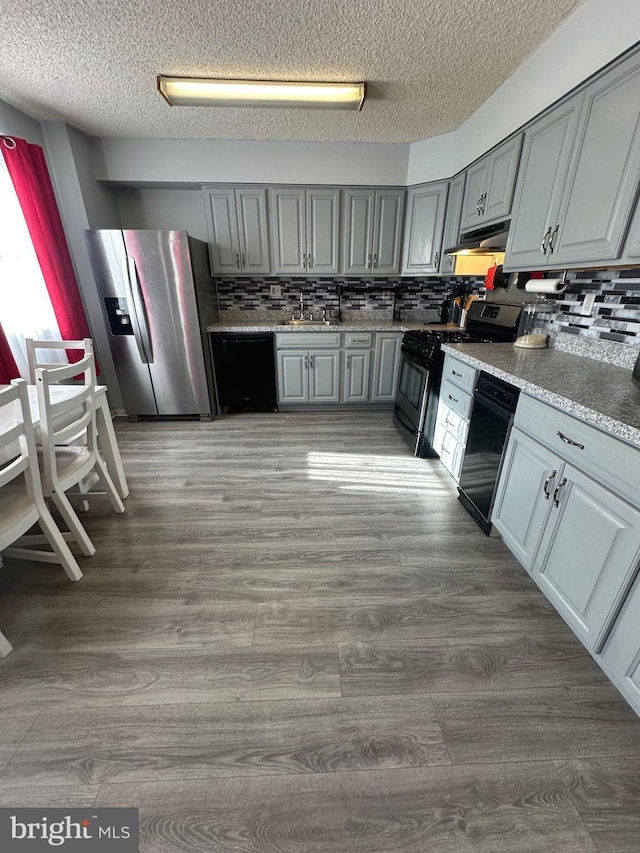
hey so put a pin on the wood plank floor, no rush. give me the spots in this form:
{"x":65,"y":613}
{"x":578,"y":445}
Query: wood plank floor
{"x":295,"y":639}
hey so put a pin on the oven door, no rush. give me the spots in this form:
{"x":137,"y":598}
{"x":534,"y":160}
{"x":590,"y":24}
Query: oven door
{"x":411,"y":400}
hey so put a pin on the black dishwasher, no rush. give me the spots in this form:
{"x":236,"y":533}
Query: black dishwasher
{"x":494,"y":405}
{"x":244,"y":371}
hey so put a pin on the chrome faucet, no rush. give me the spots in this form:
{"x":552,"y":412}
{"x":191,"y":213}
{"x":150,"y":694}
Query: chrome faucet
{"x":301,"y":305}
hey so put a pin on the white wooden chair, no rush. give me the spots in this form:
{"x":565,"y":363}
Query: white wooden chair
{"x":69,"y":452}
{"x":42,"y":353}
{"x":22,"y":503}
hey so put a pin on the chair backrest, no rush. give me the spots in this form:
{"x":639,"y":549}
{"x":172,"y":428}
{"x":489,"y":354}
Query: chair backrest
{"x":17,"y":458}
{"x":70,"y":418}
{"x":38,"y":350}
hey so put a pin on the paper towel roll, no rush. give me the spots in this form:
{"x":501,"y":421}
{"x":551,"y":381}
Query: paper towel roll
{"x":545,"y":285}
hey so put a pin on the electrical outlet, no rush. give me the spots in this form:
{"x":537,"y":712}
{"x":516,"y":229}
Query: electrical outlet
{"x":587,"y":303}
{"x":275,"y":290}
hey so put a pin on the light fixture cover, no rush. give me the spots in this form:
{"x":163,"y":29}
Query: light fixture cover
{"x":204,"y":92}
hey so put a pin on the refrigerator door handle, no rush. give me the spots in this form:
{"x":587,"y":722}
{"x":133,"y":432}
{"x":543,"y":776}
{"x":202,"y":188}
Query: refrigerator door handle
{"x":138,"y":313}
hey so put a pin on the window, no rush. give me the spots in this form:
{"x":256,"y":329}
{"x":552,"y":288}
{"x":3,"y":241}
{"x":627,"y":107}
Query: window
{"x":25,"y":306}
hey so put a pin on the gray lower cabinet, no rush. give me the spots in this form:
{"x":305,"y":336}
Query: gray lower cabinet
{"x":578,"y":538}
{"x":451,"y":234}
{"x":308,"y":376}
{"x":238,"y":232}
{"x":490,"y":185}
{"x":423,"y":228}
{"x":355,"y":376}
{"x":621,"y":652}
{"x":372,"y":223}
{"x":579,"y":177}
{"x":305,"y":230}
{"x":386,"y":367}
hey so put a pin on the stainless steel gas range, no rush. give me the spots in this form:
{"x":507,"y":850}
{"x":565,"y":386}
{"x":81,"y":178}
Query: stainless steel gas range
{"x":416,"y":400}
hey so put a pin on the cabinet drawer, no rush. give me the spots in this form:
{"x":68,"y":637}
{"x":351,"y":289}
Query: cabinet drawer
{"x":451,"y":454}
{"x":607,"y":459}
{"x":452,"y":422}
{"x":461,"y":374}
{"x":302,"y":340}
{"x":358,"y":339}
{"x":456,"y":399}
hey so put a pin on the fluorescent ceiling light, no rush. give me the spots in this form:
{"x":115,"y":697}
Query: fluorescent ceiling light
{"x":203,"y":92}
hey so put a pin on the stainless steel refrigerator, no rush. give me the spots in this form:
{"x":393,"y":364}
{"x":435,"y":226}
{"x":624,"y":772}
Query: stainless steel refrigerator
{"x":157,"y":296}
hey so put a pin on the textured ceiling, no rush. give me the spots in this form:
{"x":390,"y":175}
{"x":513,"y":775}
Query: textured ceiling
{"x":428,"y":63}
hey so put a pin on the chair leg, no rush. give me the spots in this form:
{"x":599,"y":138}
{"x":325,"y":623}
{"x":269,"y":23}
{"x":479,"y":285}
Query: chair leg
{"x":5,"y":646}
{"x":73,"y":523}
{"x":56,"y":540}
{"x":109,"y":487}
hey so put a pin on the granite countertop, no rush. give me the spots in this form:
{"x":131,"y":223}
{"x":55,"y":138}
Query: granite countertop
{"x":346,"y":326}
{"x":594,"y":391}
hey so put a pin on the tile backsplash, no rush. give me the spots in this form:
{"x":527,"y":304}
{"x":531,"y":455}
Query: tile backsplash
{"x":614,"y":315}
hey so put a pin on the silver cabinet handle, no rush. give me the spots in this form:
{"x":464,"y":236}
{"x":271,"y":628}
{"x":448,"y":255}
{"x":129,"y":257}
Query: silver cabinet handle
{"x":306,"y":362}
{"x":309,"y":260}
{"x":455,"y":399}
{"x":484,"y":202}
{"x":449,"y":423}
{"x":478,"y":206}
{"x":304,"y":259}
{"x":543,"y":245}
{"x":238,"y":259}
{"x":311,"y":362}
{"x":455,"y":373}
{"x":348,"y":362}
{"x":244,"y":263}
{"x":369,"y":261}
{"x":436,"y":259}
{"x":552,"y":238}
{"x":556,"y":494}
{"x":547,"y":483}
{"x":569,"y":440}
{"x":375,"y":260}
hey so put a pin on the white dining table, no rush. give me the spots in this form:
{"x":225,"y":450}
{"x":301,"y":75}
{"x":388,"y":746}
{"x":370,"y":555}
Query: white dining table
{"x":106,"y":433}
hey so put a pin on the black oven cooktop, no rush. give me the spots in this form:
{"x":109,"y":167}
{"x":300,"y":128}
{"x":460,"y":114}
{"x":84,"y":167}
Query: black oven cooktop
{"x":423,"y":344}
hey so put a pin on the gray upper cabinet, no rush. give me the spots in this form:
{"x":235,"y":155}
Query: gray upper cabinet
{"x":372,"y":231}
{"x":579,"y":178}
{"x":237,"y":224}
{"x":490,"y":185}
{"x":305,"y":230}
{"x":545,"y":159}
{"x":451,"y":233}
{"x":423,"y":228}
{"x":632,"y":246}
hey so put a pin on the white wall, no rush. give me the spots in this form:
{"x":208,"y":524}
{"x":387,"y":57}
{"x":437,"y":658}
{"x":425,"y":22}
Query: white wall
{"x":15,"y":123}
{"x":167,"y":208}
{"x":595,"y":34}
{"x":196,"y":161}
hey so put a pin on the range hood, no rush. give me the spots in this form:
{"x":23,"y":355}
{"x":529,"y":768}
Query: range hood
{"x":482,"y":241}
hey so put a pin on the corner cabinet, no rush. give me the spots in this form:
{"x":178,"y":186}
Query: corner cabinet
{"x":238,"y":232}
{"x":305,"y":230}
{"x":490,"y":186}
{"x":372,"y":231}
{"x":567,"y":507}
{"x":579,"y":177}
{"x":424,"y":225}
{"x":451,"y":234}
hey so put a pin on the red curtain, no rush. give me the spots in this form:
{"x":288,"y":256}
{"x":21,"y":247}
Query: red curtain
{"x":28,"y":170}
{"x":8,"y":366}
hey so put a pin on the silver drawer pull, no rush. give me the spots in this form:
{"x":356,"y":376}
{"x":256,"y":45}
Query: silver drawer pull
{"x":547,"y":483}
{"x":457,"y":374}
{"x":449,"y":423}
{"x":569,"y":440}
{"x":558,"y":489}
{"x":455,"y":399}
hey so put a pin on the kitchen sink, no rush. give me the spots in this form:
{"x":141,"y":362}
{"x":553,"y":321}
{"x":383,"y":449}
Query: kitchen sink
{"x":310,"y":323}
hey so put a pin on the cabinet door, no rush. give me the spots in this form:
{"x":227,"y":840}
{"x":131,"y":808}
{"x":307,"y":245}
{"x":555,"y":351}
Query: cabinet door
{"x":423,"y":228}
{"x":501,"y":180}
{"x":523,"y":495}
{"x":251,"y":207}
{"x":476,"y":183}
{"x":621,"y":653}
{"x":357,"y":231}
{"x":386,"y":364}
{"x":545,"y":159}
{"x":288,"y":230}
{"x":387,"y":237}
{"x":293,"y":376}
{"x":355,"y":376}
{"x":603,"y":176}
{"x":323,"y":231}
{"x":588,"y":555}
{"x":222,"y":222}
{"x":632,"y":245}
{"x":451,"y":233}
{"x":324,"y":376}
